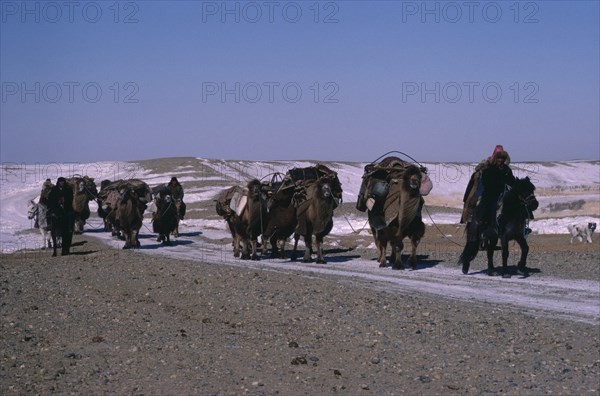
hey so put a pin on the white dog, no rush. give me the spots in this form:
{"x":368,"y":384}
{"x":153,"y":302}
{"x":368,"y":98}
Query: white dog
{"x":581,"y":231}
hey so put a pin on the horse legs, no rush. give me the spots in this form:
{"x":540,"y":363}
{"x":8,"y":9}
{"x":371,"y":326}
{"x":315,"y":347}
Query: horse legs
{"x":45,"y":240}
{"x":295,"y":252}
{"x":468,"y":254}
{"x":504,"y":271}
{"x":320,"y":259}
{"x":522,"y":265}
{"x":491,"y":245}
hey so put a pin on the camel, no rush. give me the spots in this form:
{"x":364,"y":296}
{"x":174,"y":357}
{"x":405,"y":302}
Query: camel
{"x":130,"y":216}
{"x":103,"y":209}
{"x":391,"y":193}
{"x":84,"y":189}
{"x":110,"y":195}
{"x":406,"y":202}
{"x":248,"y":225}
{"x":282,"y":219}
{"x":224,"y":209}
{"x":315,"y":217}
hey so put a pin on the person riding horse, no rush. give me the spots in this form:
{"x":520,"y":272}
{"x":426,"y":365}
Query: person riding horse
{"x":177,"y":193}
{"x":485,"y":188}
{"x":494,"y":180}
{"x":60,"y":208}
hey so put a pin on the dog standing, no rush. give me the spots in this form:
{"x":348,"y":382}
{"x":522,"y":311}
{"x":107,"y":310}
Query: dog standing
{"x":580,"y":231}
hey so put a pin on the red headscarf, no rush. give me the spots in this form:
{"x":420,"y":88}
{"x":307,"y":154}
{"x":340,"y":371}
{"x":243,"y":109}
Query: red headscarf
{"x":498,"y":149}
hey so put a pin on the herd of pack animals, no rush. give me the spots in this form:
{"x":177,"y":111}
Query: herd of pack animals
{"x":301,"y":203}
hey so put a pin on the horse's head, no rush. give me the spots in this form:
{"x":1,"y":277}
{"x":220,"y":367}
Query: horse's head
{"x":32,"y":209}
{"x":412,"y":177}
{"x":525,"y":191}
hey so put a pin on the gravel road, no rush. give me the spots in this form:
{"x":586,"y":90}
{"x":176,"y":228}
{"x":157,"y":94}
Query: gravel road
{"x":105,"y":320}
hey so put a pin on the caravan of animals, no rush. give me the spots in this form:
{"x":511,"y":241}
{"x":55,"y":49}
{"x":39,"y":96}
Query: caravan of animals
{"x":301,"y":203}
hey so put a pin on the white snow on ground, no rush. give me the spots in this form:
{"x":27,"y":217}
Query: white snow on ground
{"x":561,"y":183}
{"x":208,"y":240}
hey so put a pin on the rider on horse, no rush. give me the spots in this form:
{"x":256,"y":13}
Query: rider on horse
{"x":177,"y":193}
{"x":485,"y":187}
{"x":494,"y":180}
{"x":484,"y":191}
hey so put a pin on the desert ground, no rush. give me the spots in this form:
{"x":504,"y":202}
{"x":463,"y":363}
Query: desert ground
{"x":104,"y":320}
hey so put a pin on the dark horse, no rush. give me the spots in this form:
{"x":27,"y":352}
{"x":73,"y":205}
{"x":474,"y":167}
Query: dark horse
{"x":166,"y":218}
{"x":518,"y":205}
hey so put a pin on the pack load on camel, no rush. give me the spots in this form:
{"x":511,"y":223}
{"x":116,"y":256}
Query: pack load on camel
{"x":380,"y":188}
{"x":141,"y":189}
{"x":245,"y":211}
{"x":317,"y":191}
{"x":111,"y":195}
{"x":84,"y":190}
{"x":300,"y":179}
{"x":392,"y":193}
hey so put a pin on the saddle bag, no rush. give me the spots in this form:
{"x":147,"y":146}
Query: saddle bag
{"x":380,"y":189}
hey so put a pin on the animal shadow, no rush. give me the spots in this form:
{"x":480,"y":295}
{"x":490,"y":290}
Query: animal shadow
{"x":512,"y":270}
{"x":190,"y":234}
{"x":423,"y":261}
{"x":83,"y":253}
{"x":161,"y":245}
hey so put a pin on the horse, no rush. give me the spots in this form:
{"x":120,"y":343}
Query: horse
{"x":166,"y":218}
{"x":130,"y":216}
{"x":518,"y":205}
{"x":250,"y":223}
{"x":39,"y":213}
{"x":315,"y":217}
{"x":402,"y":208}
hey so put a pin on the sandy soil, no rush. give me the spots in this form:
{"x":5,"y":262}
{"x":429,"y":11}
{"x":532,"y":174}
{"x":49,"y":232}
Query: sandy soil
{"x":110,"y":321}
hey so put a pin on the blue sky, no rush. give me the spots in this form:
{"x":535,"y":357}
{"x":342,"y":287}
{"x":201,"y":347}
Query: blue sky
{"x":345,"y":80}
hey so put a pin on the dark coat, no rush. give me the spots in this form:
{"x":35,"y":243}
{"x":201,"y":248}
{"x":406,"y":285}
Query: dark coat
{"x":494,"y":180}
{"x":60,"y":199}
